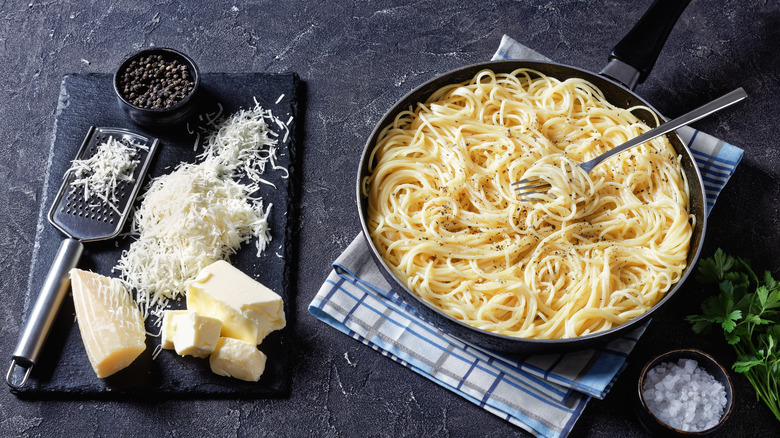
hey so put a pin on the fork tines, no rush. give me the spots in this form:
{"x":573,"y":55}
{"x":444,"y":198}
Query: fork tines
{"x":526,"y":188}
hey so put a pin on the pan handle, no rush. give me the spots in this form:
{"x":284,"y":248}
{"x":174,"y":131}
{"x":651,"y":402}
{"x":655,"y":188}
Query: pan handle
{"x":43,"y":313}
{"x":634,"y":56}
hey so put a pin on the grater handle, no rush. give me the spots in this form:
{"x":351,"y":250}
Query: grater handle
{"x":45,"y":310}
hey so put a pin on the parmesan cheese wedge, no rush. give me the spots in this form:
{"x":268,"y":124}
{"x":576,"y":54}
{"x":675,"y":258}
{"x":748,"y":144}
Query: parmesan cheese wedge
{"x":110,"y":323}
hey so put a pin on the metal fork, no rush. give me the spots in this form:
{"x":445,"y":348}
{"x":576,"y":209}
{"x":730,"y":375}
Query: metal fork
{"x":526,"y":188}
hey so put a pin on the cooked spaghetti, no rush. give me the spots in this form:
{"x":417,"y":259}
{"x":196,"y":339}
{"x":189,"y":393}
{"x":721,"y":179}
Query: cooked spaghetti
{"x":590,"y":254}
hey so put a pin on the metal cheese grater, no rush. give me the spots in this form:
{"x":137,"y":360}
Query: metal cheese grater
{"x":81,"y":220}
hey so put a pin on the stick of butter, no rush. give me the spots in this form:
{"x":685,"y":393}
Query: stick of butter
{"x":193,"y":334}
{"x":248,"y":310}
{"x":110,"y":323}
{"x":239,"y":359}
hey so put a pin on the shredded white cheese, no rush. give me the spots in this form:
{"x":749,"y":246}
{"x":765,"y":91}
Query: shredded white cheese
{"x":201,"y":212}
{"x":234,"y":144}
{"x":99,"y":175}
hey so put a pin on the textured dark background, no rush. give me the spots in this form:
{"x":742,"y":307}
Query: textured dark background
{"x":355,"y":59}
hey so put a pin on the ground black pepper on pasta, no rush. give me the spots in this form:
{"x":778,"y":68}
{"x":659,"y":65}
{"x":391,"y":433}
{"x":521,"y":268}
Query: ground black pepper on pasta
{"x":155,"y":82}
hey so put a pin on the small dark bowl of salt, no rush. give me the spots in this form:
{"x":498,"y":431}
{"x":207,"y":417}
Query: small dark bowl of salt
{"x":157,"y":87}
{"x":684,"y":393}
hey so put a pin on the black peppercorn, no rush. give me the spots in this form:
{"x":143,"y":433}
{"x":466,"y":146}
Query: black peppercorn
{"x":155,"y":82}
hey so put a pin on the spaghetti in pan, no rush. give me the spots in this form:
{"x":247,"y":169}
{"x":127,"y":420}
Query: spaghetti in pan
{"x":594,"y":252}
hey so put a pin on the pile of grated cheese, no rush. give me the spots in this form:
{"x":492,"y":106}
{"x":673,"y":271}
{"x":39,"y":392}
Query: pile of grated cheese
{"x":201,"y":212}
{"x":99,"y":175}
{"x":234,"y":145}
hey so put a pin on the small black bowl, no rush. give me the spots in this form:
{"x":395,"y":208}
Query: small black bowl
{"x":705,"y":361}
{"x":170,"y":115}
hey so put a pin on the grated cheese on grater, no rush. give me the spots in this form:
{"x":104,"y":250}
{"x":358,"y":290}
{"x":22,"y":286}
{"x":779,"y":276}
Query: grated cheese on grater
{"x":100,"y":174}
{"x":202,"y":212}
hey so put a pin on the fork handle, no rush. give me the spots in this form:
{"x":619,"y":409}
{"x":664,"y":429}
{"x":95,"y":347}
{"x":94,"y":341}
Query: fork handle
{"x":664,"y":128}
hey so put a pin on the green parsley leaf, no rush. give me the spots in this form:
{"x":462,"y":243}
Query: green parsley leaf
{"x":699,"y":325}
{"x":746,"y":363}
{"x":747,"y":309}
{"x":729,"y":322}
{"x":713,"y":269}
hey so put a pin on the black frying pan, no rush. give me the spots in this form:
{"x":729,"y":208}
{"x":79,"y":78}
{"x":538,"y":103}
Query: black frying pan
{"x":630,"y":63}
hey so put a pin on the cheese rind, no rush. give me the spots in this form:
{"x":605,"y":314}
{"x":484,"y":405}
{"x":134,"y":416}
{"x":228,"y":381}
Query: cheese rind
{"x":238,"y":359}
{"x":248,"y":310}
{"x":194,"y":335}
{"x":110,"y":323}
{"x":166,"y":332}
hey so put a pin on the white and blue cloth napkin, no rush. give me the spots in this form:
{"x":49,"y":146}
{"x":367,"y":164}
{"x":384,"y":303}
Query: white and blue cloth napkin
{"x":544,"y":394}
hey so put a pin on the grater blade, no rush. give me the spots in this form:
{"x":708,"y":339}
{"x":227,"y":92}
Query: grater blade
{"x":93,"y":218}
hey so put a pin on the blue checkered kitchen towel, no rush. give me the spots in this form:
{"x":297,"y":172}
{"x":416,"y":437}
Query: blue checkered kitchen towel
{"x":545,"y":394}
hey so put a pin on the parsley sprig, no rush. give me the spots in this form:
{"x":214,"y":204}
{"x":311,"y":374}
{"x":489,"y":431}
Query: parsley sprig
{"x":747,"y":309}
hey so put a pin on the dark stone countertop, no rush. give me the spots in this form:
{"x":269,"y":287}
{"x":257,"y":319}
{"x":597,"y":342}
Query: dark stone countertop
{"x":355,"y":60}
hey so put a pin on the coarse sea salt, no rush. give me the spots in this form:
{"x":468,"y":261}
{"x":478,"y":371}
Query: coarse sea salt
{"x":684,"y":396}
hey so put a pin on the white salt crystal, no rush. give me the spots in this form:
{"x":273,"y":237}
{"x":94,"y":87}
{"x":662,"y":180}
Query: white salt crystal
{"x":684,"y":395}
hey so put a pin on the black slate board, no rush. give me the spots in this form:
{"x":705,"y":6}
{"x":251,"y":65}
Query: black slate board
{"x":63,"y":370}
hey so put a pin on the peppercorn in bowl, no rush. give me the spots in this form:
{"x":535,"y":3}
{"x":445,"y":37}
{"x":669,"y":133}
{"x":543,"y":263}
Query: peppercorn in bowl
{"x":157,"y":87}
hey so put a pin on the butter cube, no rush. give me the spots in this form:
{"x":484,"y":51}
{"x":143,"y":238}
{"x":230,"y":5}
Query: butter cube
{"x":166,"y":334}
{"x":239,"y":359}
{"x":248,"y":310}
{"x":195,"y":335}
